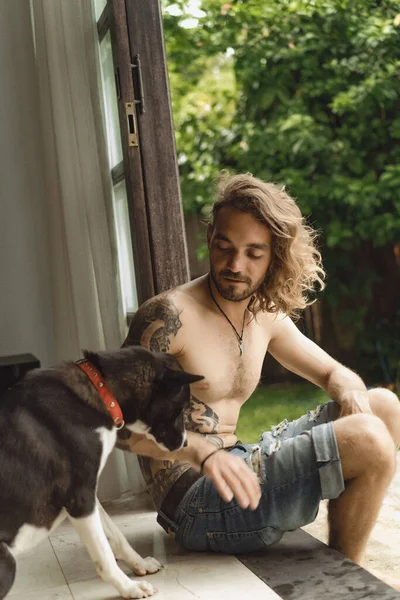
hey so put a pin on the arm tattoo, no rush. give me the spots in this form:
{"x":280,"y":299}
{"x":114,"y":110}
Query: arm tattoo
{"x":160,"y":476}
{"x":216,"y":440}
{"x":200,"y":417}
{"x":154,"y":324}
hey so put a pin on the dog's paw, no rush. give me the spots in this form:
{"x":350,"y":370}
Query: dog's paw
{"x":145,"y":566}
{"x":139,"y":589}
{"x":151,"y":564}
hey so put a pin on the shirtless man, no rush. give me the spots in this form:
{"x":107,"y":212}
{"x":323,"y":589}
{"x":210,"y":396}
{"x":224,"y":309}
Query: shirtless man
{"x":263,"y":262}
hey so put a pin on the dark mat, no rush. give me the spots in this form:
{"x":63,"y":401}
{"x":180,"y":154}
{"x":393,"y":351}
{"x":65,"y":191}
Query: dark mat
{"x":303,"y":568}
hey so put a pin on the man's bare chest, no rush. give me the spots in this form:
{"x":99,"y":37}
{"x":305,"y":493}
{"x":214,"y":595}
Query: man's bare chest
{"x":215,"y":354}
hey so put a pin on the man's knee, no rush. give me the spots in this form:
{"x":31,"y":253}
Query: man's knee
{"x":365,"y":443}
{"x":383,"y":400}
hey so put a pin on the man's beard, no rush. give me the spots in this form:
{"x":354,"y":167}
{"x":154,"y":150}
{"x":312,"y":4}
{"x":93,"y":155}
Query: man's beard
{"x":230,"y":291}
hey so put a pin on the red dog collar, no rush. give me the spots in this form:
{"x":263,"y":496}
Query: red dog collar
{"x":105,"y":393}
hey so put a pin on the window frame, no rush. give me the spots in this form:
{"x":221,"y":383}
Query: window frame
{"x":150,"y":166}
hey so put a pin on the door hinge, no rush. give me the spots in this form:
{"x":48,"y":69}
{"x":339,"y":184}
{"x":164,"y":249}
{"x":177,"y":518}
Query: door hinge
{"x":137,"y":65}
{"x":130,"y":112}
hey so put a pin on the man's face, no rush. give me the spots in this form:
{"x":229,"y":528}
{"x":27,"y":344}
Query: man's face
{"x":240,"y":253}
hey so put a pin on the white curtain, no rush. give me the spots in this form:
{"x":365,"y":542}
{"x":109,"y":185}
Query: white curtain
{"x":87,"y":303}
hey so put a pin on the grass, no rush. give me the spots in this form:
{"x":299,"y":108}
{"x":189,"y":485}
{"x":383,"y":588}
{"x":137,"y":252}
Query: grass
{"x":270,"y":405}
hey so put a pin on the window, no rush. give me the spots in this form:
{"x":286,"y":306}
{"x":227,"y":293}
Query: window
{"x":147,"y":209}
{"x":120,"y":202}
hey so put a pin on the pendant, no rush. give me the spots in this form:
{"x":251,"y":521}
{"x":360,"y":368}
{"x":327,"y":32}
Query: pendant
{"x":241,"y":347}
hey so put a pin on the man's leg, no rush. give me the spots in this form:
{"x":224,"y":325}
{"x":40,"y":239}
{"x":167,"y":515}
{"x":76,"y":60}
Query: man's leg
{"x":368,"y":460}
{"x":385,"y":405}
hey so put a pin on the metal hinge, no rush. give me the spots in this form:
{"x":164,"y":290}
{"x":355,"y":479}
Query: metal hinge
{"x":138,"y":66}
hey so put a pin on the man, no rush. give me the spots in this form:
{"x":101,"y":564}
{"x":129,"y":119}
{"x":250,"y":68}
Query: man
{"x":263,"y":262}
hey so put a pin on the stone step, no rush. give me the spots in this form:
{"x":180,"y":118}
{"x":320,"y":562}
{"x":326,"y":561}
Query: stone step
{"x":301,"y":567}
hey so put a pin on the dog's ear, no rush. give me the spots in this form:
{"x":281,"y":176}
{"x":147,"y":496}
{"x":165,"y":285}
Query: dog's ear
{"x":174,"y":378}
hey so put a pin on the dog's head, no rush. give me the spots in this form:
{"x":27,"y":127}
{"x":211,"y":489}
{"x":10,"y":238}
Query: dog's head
{"x":152,"y":390}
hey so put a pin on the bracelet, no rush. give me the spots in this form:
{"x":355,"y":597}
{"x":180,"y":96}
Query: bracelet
{"x":207,"y":457}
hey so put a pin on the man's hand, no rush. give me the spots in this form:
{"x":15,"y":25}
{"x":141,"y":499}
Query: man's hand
{"x":230,"y":474}
{"x":355,"y":402}
{"x":233,"y":478}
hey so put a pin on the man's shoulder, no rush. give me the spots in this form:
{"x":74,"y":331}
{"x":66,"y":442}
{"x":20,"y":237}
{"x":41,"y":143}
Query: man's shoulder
{"x":161,"y":302}
{"x":183,"y":297}
{"x":159,"y":321}
{"x":270,"y":319}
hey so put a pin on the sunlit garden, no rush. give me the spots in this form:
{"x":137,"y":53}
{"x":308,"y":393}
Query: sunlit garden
{"x":307,"y":95}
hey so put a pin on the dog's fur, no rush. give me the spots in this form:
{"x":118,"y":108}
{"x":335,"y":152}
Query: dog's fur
{"x":55,"y":437}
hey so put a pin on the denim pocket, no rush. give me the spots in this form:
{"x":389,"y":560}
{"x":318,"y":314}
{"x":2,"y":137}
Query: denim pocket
{"x":242,"y":542}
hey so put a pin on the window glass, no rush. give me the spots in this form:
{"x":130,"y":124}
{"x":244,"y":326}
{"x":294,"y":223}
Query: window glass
{"x":110,"y":102}
{"x":99,"y":6}
{"x":124,"y":244}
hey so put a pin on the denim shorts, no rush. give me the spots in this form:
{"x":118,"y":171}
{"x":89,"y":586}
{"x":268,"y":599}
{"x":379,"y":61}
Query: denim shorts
{"x":298,"y":464}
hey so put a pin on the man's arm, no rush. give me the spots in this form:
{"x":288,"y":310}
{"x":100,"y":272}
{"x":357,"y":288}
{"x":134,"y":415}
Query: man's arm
{"x":302,"y":356}
{"x":230,"y":474}
{"x":194,"y":453}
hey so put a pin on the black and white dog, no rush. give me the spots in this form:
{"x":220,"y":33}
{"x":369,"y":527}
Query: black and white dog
{"x":57,"y":428}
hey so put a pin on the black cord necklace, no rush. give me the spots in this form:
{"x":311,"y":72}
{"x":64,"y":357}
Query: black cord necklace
{"x":239,"y":336}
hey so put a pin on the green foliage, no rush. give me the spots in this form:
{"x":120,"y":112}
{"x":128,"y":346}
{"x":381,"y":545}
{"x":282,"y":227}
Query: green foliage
{"x":300,"y":92}
{"x":270,"y":405}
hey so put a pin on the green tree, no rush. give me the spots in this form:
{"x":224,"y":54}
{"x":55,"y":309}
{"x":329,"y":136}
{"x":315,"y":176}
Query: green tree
{"x":305,"y":93}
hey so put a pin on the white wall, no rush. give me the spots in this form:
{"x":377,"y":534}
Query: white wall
{"x":25,"y":291}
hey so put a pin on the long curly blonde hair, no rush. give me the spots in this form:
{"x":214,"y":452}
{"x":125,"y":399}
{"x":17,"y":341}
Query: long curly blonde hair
{"x":296,"y":268}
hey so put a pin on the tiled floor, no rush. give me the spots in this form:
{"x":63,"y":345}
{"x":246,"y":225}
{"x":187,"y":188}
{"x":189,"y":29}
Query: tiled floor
{"x":60,"y":568}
